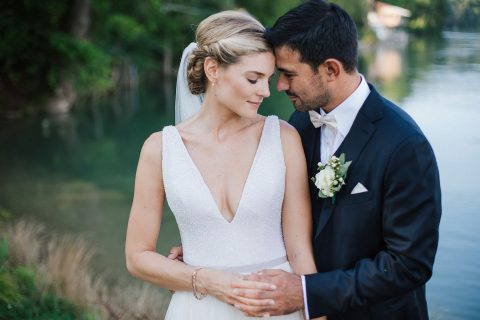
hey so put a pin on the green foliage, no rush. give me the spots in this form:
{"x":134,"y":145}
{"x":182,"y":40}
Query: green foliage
{"x":37,"y":51}
{"x":427,"y":15}
{"x":5,"y":215}
{"x":39,"y":48}
{"x":22,"y":299}
{"x":3,"y":252}
{"x":25,"y":52}
{"x":85,"y":63}
{"x":357,"y":9}
{"x":464,"y":14}
{"x":267,"y":11}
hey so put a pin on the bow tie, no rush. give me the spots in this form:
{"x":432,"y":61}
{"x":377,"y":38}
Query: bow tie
{"x":318,"y":120}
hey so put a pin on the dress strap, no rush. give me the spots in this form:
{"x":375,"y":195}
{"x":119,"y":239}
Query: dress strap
{"x":273,"y":137}
{"x":169,"y":154}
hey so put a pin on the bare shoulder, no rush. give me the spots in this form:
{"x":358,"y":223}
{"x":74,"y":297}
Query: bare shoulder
{"x":292,"y":147}
{"x":288,"y":133}
{"x":152,"y":148}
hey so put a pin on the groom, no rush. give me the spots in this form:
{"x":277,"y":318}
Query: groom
{"x":375,"y":246}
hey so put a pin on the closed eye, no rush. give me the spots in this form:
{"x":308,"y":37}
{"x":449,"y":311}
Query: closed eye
{"x":252,"y":81}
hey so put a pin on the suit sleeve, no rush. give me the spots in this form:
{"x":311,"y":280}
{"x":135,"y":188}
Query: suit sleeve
{"x":411,"y":215}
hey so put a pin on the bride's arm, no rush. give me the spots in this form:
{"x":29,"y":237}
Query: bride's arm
{"x":144,"y":224}
{"x":296,"y":213}
{"x":143,"y":229}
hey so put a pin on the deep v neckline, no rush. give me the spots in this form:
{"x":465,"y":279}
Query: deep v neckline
{"x":206,"y":187}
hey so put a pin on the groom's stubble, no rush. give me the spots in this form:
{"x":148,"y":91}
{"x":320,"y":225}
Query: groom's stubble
{"x":315,"y":95}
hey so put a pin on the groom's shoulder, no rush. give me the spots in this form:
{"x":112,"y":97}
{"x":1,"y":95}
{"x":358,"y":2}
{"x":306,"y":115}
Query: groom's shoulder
{"x":299,"y":120}
{"x":397,"y":121}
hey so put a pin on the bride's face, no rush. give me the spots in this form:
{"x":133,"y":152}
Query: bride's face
{"x":241,"y":87}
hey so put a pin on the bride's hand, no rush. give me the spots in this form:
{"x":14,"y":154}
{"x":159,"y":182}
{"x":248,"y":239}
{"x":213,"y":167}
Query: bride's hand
{"x":221,"y":285}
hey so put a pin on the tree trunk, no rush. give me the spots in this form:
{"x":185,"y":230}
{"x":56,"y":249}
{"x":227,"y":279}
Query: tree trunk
{"x":80,"y":18}
{"x":78,"y":23}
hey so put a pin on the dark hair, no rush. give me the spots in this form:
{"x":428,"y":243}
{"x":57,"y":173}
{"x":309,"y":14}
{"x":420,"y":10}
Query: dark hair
{"x":318,"y":30}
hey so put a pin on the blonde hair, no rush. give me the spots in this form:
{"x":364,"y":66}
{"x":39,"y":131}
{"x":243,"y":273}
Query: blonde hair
{"x":225,"y":37}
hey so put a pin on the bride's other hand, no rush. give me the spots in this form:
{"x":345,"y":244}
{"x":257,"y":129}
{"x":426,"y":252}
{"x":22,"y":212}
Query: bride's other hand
{"x":221,"y":285}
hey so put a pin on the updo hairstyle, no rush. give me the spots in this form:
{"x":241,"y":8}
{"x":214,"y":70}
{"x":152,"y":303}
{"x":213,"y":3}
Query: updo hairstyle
{"x":225,"y":37}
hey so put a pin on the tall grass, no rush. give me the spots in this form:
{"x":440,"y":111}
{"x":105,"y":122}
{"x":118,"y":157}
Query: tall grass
{"x":63,"y":266}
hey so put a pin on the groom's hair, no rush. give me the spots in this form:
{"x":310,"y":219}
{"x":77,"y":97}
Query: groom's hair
{"x":318,"y":30}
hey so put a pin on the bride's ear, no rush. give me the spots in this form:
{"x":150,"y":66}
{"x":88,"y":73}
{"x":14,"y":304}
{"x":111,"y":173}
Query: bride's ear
{"x":211,"y":68}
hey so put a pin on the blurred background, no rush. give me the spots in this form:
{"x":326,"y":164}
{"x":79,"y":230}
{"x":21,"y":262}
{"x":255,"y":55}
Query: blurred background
{"x":84,"y":82}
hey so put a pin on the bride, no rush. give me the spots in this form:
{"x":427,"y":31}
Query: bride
{"x":236,"y":181}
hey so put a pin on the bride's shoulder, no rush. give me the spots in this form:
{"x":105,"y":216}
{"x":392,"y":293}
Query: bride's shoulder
{"x":152,"y":147}
{"x":155,"y":139}
{"x":289,"y":136}
{"x":287,"y":130}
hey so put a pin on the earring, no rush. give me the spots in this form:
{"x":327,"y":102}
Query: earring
{"x":213,"y":83}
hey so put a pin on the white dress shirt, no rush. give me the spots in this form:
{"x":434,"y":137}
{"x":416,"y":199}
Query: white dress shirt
{"x":345,"y":113}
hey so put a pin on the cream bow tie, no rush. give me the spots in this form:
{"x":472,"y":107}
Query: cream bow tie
{"x":318,"y":120}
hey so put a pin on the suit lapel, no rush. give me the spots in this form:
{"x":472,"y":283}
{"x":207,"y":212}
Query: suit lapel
{"x":311,"y":144}
{"x":362,"y":129}
{"x":314,"y":152}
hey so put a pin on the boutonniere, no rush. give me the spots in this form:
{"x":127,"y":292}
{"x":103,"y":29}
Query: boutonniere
{"x":331,"y":176}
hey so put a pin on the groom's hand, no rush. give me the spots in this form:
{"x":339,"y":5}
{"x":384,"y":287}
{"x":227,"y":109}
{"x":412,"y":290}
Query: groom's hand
{"x":288,"y":296}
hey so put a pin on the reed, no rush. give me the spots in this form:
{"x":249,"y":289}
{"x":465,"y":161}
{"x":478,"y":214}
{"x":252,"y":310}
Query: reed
{"x":63,"y":265}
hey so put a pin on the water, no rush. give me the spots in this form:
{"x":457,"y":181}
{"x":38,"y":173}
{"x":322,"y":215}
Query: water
{"x":442,"y":102}
{"x":75,"y":173}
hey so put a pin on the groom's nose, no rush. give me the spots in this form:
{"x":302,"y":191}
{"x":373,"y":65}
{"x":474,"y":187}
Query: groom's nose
{"x":282,"y":83}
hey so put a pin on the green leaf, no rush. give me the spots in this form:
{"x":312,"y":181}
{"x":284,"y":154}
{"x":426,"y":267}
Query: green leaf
{"x":3,"y":250}
{"x":321,"y":195}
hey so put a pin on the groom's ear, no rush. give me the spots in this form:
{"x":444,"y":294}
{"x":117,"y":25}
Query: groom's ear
{"x":210,"y":66}
{"x":332,"y":68}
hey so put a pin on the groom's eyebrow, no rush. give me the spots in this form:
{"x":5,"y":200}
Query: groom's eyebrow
{"x":284,"y":70}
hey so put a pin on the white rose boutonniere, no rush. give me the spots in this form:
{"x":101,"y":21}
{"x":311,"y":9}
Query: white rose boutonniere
{"x":331,"y":176}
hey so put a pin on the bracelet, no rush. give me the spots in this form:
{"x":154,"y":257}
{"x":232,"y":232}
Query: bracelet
{"x":198,"y":295}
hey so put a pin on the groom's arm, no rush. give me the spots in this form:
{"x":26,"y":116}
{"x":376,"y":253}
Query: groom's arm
{"x":411,"y":215}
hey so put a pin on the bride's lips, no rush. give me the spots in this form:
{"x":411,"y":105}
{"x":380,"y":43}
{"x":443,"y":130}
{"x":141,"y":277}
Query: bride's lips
{"x":255,"y":103}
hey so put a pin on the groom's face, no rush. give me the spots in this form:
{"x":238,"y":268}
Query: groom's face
{"x":304,"y":87}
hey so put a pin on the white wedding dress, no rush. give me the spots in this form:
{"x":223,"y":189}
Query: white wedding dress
{"x":252,"y":241}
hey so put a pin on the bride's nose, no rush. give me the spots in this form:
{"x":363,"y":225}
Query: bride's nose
{"x":264,"y":90}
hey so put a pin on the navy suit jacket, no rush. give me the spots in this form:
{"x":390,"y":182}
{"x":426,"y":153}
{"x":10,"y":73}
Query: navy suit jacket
{"x":374,"y":251}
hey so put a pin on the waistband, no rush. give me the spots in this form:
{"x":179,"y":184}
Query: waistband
{"x":252,"y":267}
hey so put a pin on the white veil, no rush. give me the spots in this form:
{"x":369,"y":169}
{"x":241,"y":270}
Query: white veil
{"x":186,"y":104}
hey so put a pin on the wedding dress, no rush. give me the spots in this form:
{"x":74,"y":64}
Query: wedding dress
{"x":252,"y":241}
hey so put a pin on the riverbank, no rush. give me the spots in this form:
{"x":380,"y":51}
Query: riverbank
{"x":50,"y":276}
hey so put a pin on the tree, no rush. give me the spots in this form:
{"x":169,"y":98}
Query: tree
{"x":357,"y":9}
{"x":427,"y":15}
{"x":43,"y":46}
{"x":464,"y":14}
